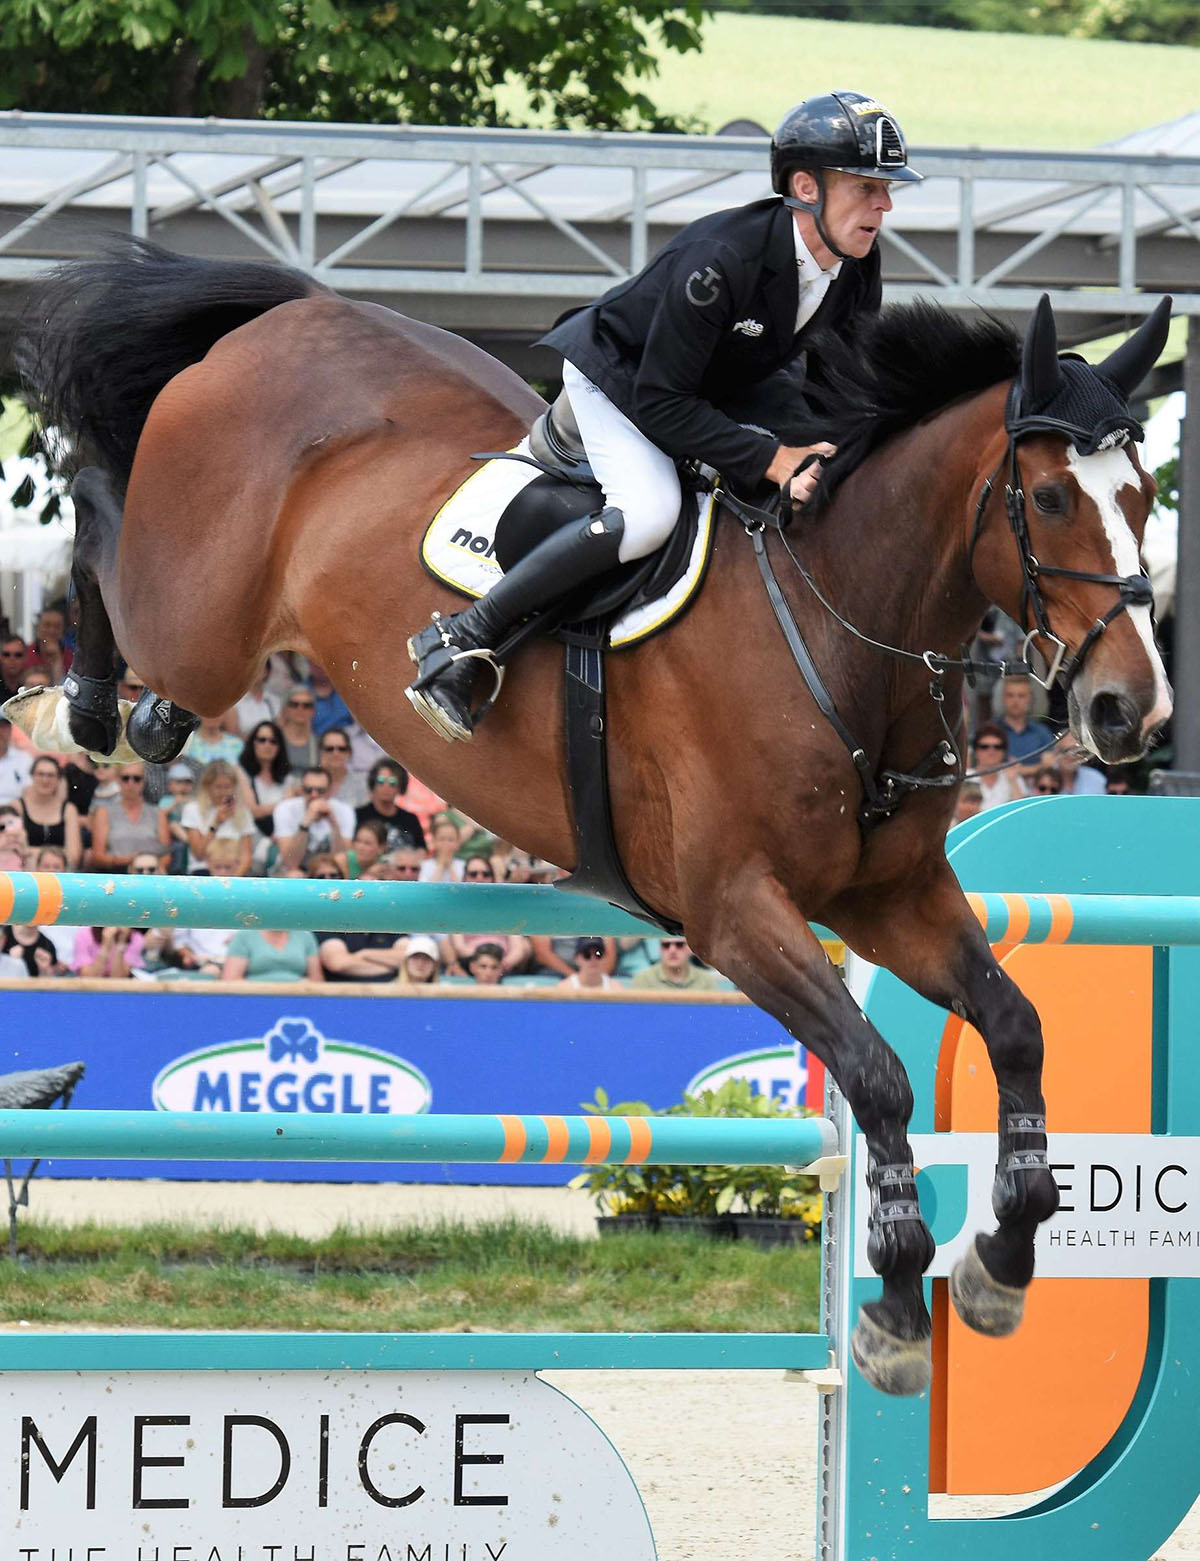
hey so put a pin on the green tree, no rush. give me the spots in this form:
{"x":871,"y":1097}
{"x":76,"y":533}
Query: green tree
{"x":449,"y":62}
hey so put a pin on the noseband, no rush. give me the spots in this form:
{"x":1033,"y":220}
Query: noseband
{"x":1132,"y":590}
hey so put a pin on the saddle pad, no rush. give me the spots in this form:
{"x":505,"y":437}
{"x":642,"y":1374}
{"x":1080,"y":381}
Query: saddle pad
{"x":457,"y":547}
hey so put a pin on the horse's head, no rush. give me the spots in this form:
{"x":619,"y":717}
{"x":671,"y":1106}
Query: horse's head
{"x":1077,"y":500}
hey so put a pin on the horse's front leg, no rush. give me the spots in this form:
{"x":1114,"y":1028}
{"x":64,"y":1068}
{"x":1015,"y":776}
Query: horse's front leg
{"x":754,"y":933}
{"x":924,"y":931}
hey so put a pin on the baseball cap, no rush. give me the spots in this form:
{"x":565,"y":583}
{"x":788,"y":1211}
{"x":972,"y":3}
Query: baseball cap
{"x":181,"y":772}
{"x":421,"y":945}
{"x":589,"y":945}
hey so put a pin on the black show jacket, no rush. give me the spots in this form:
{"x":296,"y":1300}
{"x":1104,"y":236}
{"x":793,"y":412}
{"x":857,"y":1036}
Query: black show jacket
{"x":709,"y":318}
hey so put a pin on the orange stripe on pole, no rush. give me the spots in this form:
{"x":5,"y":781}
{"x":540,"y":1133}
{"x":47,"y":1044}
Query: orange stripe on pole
{"x":641,"y":1136}
{"x":1062,"y":918}
{"x":1017,"y":907}
{"x":978,"y":909}
{"x":558,"y":1140}
{"x":49,"y":897}
{"x":7,"y":895}
{"x":514,"y":1139}
{"x":599,"y":1141}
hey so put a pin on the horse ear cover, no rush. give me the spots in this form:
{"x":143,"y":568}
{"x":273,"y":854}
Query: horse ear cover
{"x":1041,"y":377}
{"x":1128,"y":366}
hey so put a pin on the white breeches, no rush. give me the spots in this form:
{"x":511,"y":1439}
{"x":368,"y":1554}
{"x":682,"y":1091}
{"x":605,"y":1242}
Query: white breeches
{"x":637,"y":478}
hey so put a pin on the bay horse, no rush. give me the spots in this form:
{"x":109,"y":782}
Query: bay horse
{"x":261,"y":456}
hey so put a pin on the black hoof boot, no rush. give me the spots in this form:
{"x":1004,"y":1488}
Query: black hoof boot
{"x":94,"y":719}
{"x":445,"y":684}
{"x":158,"y":730}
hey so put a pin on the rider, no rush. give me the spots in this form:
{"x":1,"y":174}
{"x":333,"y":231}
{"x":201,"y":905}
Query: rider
{"x":661,"y":366}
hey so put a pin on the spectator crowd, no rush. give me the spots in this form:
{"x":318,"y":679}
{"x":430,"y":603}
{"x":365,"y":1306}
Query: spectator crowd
{"x":285,"y":784}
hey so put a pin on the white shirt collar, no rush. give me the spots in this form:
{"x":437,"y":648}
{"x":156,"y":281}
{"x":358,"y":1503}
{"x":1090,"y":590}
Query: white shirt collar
{"x":809,"y":270}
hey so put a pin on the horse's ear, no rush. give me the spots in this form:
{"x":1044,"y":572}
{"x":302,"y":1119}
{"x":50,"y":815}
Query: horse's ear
{"x":1128,"y":366}
{"x":1040,"y":373}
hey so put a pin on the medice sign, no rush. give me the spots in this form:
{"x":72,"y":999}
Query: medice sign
{"x":309,"y":1466}
{"x":293,"y":1068}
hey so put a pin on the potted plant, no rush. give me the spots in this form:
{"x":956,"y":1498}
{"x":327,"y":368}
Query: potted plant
{"x":629,"y":1197}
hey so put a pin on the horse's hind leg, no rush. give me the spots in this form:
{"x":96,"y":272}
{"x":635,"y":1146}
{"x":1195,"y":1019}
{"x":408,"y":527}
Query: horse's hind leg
{"x":758,"y":938}
{"x":91,"y":685}
{"x":157,"y":729}
{"x":925,"y":933}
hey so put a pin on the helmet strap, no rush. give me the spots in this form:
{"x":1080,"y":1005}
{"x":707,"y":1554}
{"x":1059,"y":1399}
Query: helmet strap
{"x":816,"y":210}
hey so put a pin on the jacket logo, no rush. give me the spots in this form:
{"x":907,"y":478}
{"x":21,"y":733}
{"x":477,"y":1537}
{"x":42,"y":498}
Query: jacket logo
{"x":749,"y":327}
{"x":704,"y":287}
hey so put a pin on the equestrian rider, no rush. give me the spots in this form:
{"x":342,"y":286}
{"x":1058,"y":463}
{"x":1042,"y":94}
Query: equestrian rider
{"x":665,"y":365}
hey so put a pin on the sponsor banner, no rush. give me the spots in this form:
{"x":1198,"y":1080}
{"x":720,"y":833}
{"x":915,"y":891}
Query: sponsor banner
{"x":1130,"y":1203}
{"x":310,"y":1466}
{"x":318,"y":1053}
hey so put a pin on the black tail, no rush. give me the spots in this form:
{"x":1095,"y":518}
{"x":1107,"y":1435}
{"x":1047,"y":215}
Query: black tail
{"x":104,"y":336}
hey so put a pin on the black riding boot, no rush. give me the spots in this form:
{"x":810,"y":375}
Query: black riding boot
{"x":449,"y":651}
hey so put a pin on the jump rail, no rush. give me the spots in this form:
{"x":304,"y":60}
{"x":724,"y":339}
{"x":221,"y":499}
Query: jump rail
{"x":102,"y":900}
{"x":810,"y":1142}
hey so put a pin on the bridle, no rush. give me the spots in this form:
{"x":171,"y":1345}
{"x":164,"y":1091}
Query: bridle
{"x":1132,"y":590}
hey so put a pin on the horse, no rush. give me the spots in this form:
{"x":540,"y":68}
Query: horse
{"x":259,"y":456}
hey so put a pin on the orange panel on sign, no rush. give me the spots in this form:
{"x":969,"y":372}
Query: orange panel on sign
{"x":1019,"y":1414}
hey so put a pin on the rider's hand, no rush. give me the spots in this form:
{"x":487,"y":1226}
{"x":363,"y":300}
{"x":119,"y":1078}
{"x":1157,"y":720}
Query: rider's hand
{"x":785,"y":462}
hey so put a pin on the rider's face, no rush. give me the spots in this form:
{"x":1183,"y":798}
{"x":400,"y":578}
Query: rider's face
{"x":854,"y":209}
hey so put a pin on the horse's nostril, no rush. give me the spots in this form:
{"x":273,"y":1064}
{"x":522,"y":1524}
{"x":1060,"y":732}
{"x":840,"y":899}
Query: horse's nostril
{"x":1113,"y":714}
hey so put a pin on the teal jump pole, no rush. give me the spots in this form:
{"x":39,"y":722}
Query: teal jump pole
{"x":480,"y":1140}
{"x":104,"y":900}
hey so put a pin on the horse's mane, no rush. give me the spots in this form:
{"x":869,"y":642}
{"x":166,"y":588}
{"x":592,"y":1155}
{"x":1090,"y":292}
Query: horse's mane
{"x":900,"y":367}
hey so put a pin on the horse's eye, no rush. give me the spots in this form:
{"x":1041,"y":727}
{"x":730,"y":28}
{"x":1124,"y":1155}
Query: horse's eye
{"x":1051,"y":498}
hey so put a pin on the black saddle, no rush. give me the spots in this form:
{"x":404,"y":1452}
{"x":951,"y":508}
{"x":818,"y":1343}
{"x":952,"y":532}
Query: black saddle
{"x":567,"y":490}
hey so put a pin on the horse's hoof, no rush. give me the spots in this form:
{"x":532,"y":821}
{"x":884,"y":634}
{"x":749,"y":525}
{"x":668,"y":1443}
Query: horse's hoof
{"x":985,"y":1305}
{"x":43,"y":714}
{"x":158,"y":730}
{"x":438,"y":718}
{"x":901,"y":1367}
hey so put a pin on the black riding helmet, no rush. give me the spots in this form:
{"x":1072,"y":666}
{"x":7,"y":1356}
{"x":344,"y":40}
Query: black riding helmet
{"x":843,"y":131}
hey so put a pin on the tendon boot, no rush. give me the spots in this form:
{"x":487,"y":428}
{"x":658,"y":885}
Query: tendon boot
{"x":449,"y":651}
{"x":158,"y":730}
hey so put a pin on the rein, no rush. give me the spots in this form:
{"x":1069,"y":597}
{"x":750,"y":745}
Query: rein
{"x":882,"y":795}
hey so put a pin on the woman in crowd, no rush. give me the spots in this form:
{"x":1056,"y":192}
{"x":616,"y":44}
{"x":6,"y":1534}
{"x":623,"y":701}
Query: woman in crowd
{"x":218,"y":814}
{"x":108,"y":951}
{"x":272,"y":956}
{"x":34,"y":949}
{"x":264,"y":762}
{"x":124,"y":825}
{"x":444,"y":865}
{"x":458,"y":948}
{"x":50,"y":820}
{"x":370,"y":838}
{"x":1047,"y":782}
{"x":333,"y":755}
{"x":997,"y":780}
{"x":14,"y":844}
{"x":419,"y":967}
{"x":325,"y":866}
{"x":296,"y":723}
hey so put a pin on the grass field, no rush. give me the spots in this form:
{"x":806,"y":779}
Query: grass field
{"x":946,"y":88}
{"x":507,"y":1276}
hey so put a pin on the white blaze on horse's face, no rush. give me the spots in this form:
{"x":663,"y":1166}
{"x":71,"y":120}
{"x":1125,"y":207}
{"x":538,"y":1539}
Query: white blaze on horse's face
{"x":1101,"y":477}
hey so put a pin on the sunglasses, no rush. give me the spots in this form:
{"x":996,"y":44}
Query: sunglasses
{"x":132,"y":779}
{"x":590,"y":954}
{"x":672,"y":943}
{"x":384,"y":780}
{"x":301,"y":704}
{"x":266,"y":737}
{"x":479,"y":872}
{"x":334,"y":748}
{"x":315,"y":791}
{"x":13,"y":655}
{"x":406,"y":867}
{"x":327,"y":875}
{"x":1050,"y":791}
{"x":979,"y":747}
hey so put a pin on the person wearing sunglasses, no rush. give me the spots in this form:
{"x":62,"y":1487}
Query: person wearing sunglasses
{"x":312,"y":823}
{"x":998,"y":781}
{"x":458,"y":949}
{"x":127,"y":824}
{"x":674,"y":971}
{"x":14,"y":658}
{"x":333,"y":755}
{"x":387,"y":782}
{"x":1047,"y":782}
{"x":263,"y":760}
{"x":296,"y":722}
{"x":589,"y":974}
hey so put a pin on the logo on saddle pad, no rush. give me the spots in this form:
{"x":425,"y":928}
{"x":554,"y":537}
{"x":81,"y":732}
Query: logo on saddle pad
{"x":749,"y":327}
